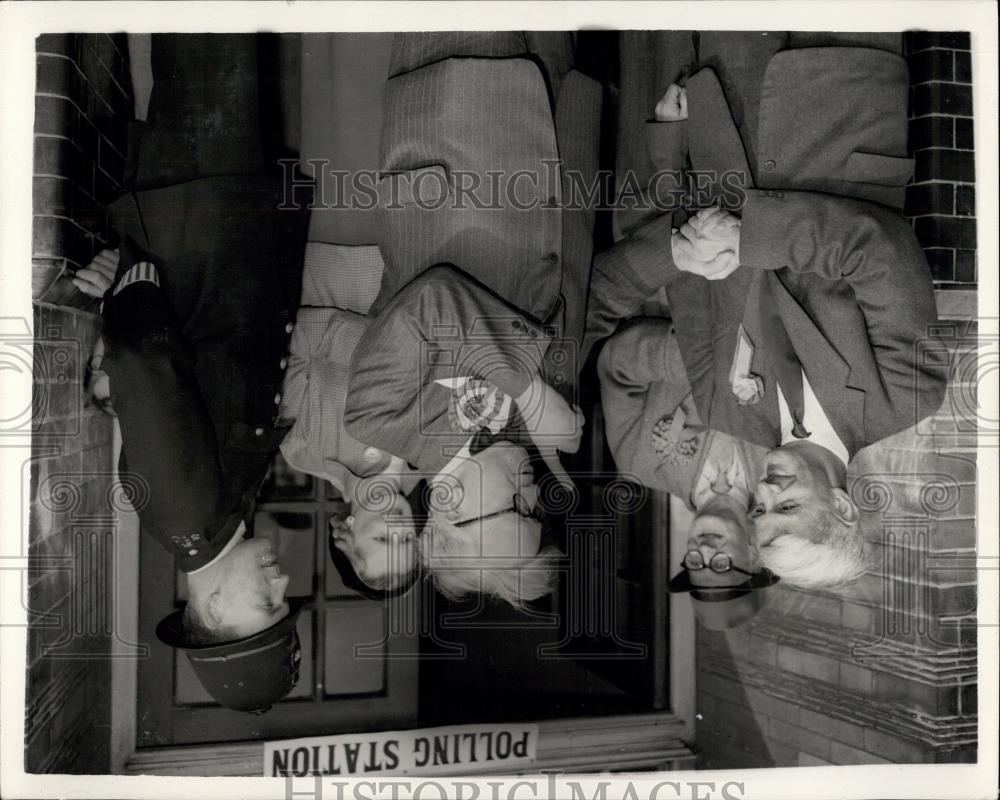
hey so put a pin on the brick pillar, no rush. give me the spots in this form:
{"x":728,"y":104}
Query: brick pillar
{"x":942,"y":199}
{"x":82,"y":108}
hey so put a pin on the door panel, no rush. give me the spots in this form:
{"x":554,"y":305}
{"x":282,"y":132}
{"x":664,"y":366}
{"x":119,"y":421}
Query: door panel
{"x":356,"y":674}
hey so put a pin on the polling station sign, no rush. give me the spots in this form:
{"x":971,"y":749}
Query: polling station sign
{"x":437,"y":751}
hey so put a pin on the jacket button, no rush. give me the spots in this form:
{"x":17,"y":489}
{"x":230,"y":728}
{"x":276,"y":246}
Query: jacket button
{"x":289,"y":327}
{"x":551,"y":258}
{"x":779,"y":194}
{"x":769,"y":165}
{"x":283,"y":363}
{"x":515,"y":324}
{"x":258,"y":432}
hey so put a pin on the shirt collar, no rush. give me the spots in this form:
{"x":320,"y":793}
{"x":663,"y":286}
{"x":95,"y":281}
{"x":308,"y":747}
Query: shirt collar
{"x":237,"y":536}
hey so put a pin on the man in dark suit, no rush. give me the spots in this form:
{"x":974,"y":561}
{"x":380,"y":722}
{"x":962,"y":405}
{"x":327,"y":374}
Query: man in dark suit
{"x":801,"y":321}
{"x":483,"y":296}
{"x":199,"y":302}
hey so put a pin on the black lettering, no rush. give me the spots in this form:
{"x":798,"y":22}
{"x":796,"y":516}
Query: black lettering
{"x":521,"y":747}
{"x":315,"y":760}
{"x":489,"y":744}
{"x":389,"y":750}
{"x":471,"y":737}
{"x":421,"y":743}
{"x":440,"y":750}
{"x":331,"y":760}
{"x":351,"y":752}
{"x":503,"y":744}
{"x":300,"y":762}
{"x":456,"y":740}
{"x":373,"y":763}
{"x":279,"y":766}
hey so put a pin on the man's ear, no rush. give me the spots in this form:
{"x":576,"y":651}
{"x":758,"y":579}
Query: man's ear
{"x":211,"y":614}
{"x":844,"y":508}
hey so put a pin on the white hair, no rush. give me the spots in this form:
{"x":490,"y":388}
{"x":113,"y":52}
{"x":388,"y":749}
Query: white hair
{"x":457,"y":571}
{"x":833,"y":559}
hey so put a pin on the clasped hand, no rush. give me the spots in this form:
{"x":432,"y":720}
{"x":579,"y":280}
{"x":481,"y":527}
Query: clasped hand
{"x":708,"y":244}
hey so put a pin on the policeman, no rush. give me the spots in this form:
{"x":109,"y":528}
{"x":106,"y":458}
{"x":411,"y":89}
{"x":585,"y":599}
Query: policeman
{"x":198,"y":305}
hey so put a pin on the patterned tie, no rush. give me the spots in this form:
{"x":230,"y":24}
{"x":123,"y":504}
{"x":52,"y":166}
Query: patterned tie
{"x":777,"y":345}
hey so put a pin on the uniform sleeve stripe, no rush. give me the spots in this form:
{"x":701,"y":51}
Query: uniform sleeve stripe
{"x":143,"y":271}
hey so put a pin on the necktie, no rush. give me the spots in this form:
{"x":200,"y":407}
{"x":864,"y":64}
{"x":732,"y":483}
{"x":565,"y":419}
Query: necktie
{"x":777,"y":345}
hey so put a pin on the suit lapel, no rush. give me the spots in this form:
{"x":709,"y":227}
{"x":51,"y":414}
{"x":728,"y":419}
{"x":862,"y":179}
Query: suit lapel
{"x":829,"y":374}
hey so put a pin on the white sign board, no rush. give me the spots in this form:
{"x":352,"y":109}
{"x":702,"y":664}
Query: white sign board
{"x":438,"y":751}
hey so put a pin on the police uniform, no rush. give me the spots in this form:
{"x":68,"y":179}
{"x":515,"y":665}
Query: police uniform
{"x":198,"y":319}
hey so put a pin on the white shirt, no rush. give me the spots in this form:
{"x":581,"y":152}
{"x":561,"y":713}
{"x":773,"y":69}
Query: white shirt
{"x":815,"y":421}
{"x":237,"y":536}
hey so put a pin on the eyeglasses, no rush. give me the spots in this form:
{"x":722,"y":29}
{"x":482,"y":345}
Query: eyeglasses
{"x":720,"y":563}
{"x":518,"y":506}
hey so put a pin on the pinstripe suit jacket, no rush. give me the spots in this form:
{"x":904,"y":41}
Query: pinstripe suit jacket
{"x":452,"y":121}
{"x":528,"y":266}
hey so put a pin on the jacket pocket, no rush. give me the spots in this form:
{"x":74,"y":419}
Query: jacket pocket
{"x":426,"y":187}
{"x":877,"y":168}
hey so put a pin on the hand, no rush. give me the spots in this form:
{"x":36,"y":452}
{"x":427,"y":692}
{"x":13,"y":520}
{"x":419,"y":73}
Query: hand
{"x":673,"y":106}
{"x":708,"y":244}
{"x":552,"y":423}
{"x":96,"y":278}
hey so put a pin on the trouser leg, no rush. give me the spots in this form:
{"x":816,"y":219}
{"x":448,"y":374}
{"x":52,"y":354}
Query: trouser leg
{"x":204,"y":113}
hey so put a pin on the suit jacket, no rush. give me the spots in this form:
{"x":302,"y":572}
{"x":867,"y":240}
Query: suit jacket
{"x":852,"y":285}
{"x":449,"y":117}
{"x":643,"y":387}
{"x":473,"y":292}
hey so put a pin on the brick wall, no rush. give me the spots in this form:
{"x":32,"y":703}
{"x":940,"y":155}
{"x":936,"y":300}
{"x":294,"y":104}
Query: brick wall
{"x":942,"y":199}
{"x":885,"y":672}
{"x":82,"y":106}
